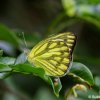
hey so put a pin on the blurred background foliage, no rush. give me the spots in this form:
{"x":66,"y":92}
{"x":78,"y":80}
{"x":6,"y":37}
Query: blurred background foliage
{"x":38,"y":19}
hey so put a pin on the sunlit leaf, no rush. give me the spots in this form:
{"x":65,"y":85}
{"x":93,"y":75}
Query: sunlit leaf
{"x":7,"y":60}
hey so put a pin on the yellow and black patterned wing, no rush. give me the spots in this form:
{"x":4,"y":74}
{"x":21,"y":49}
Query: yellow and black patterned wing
{"x":69,"y":38}
{"x":54,"y":54}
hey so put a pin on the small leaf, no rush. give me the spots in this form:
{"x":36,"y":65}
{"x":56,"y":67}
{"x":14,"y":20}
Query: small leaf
{"x":73,"y":90}
{"x":4,"y":68}
{"x":7,"y":60}
{"x":57,"y":86}
{"x":81,"y":71}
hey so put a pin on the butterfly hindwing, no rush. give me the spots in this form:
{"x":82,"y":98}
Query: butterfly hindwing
{"x":51,"y":58}
{"x":53,"y":54}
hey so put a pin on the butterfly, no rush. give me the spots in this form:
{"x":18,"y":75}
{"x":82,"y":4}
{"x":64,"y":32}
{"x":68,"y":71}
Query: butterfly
{"x":54,"y":54}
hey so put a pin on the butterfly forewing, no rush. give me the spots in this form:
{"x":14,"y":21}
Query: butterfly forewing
{"x":69,"y":38}
{"x":53,"y":54}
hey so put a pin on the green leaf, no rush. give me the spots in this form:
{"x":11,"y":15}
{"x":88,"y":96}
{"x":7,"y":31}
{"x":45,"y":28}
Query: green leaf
{"x":1,"y":53}
{"x":57,"y":86}
{"x":7,"y":60}
{"x":4,"y":68}
{"x":8,"y":35}
{"x":81,"y":71}
{"x":29,"y":69}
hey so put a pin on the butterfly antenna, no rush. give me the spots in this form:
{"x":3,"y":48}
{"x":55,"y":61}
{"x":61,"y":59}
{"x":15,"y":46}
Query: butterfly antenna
{"x":24,"y":39}
{"x":25,"y":44}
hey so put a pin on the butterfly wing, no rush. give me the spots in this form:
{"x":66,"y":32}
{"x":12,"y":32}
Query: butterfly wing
{"x":69,"y":38}
{"x":54,"y":54}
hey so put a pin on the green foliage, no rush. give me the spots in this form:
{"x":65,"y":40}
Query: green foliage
{"x":82,"y":72}
{"x":83,"y":79}
{"x":7,"y":60}
{"x":86,"y":11}
{"x":19,"y":66}
{"x":77,"y":70}
{"x":4,"y":68}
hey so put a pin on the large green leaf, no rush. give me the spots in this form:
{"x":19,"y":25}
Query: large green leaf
{"x":29,"y":69}
{"x":81,"y":71}
{"x":7,"y":35}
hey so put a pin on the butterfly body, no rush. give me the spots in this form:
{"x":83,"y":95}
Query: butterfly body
{"x":54,"y":54}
